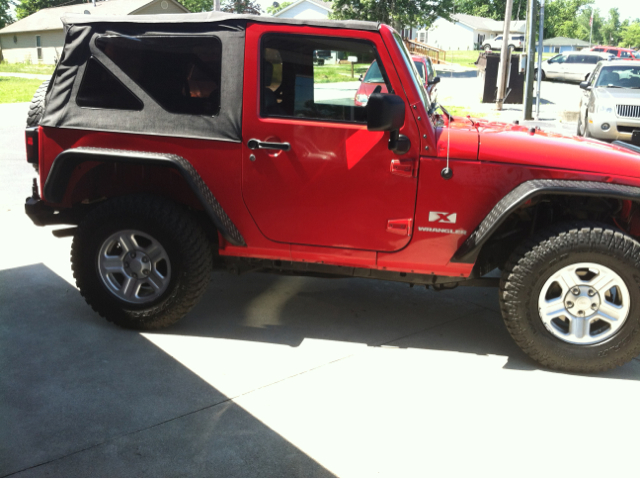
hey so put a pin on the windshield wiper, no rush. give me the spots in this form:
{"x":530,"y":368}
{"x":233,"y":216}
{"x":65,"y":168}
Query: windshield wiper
{"x":612,"y":86}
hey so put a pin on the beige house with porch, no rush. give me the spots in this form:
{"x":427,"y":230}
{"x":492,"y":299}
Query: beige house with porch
{"x":39,"y":38}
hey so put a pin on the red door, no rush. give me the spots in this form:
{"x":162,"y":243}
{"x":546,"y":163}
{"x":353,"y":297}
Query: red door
{"x":323,"y":179}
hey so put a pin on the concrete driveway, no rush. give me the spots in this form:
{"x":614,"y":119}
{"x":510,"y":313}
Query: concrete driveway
{"x":283,"y":376}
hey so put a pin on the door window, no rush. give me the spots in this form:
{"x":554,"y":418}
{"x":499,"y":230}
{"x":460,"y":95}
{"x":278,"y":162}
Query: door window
{"x":295,"y":86}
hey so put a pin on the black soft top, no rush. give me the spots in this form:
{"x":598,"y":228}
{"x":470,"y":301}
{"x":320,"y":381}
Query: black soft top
{"x":212,"y":18}
{"x":81,"y":31}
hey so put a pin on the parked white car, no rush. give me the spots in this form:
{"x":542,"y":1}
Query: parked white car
{"x":572,"y":66}
{"x":610,"y":104}
{"x":516,"y":42}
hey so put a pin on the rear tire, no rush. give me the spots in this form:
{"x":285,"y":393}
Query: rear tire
{"x":570,"y":298}
{"x":543,"y":77}
{"x":36,"y":109}
{"x":142,"y":262}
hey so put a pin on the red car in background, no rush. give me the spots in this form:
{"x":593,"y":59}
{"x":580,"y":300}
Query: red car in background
{"x":373,"y":78}
{"x":620,"y":53}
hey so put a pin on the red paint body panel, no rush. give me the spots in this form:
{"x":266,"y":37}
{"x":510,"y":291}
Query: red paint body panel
{"x":332,"y":198}
{"x":514,"y":144}
{"x":334,"y":187}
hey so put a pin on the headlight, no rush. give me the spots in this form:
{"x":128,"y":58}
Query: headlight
{"x":604,"y":109}
{"x":362,"y":98}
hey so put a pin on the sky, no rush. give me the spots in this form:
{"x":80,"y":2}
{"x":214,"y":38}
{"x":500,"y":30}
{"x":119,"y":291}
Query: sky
{"x":627,"y":8}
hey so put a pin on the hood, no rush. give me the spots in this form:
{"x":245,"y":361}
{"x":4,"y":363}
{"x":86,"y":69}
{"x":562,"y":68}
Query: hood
{"x":514,"y":144}
{"x":617,"y":95}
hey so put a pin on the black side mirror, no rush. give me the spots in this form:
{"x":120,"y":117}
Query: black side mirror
{"x":435,"y":81}
{"x":385,"y":112}
{"x":360,"y":78}
{"x":585,"y":85}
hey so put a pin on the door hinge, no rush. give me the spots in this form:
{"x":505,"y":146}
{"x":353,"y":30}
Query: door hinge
{"x":400,"y":227}
{"x":405,"y":168}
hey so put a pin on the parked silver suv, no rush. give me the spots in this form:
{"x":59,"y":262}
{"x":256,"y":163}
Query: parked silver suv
{"x":610,"y":104}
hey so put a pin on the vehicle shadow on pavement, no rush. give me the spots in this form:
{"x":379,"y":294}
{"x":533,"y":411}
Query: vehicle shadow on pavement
{"x":288,"y":310}
{"x":80,"y":397}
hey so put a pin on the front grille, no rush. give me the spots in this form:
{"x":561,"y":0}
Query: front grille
{"x":628,"y":111}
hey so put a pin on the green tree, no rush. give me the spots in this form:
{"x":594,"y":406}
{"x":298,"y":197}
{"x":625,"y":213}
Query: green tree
{"x":398,"y":13}
{"x":241,"y":6}
{"x":24,"y":8}
{"x":561,"y":17}
{"x":631,"y":35}
{"x":584,"y":28}
{"x":276,"y":7}
{"x":5,"y":13}
{"x":197,"y":6}
{"x":611,"y":28}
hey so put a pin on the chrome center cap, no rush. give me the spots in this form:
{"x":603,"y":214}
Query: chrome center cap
{"x":582,"y":301}
{"x":137,"y":264}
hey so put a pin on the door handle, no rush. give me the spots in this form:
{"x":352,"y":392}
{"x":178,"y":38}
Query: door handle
{"x":254,"y":144}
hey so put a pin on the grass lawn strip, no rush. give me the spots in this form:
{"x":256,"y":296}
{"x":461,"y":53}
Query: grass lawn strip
{"x":17,"y":90}
{"x":26,"y":68}
{"x":466,"y":58}
{"x":338,"y":73}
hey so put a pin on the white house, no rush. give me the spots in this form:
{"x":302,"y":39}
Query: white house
{"x":306,"y":9}
{"x":39,"y":38}
{"x":464,"y":32}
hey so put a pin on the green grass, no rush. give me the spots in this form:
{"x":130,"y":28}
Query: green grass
{"x":466,"y":58}
{"x":26,"y":68}
{"x":338,"y":73}
{"x":17,"y":90}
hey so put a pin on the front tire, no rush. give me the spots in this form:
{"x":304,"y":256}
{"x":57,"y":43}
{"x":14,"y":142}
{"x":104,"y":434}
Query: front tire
{"x":141,"y":262}
{"x":570,"y":298}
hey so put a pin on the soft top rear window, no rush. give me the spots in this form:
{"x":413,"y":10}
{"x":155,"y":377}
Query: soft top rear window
{"x":181,"y":73}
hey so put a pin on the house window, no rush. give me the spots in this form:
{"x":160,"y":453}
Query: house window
{"x":39,"y":48}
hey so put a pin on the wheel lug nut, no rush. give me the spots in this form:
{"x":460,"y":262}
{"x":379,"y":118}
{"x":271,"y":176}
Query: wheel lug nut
{"x":145,"y":259}
{"x":580,"y":313}
{"x":569,"y":304}
{"x":134,"y":275}
{"x":575,"y":291}
{"x":126,"y":264}
{"x":133,"y":254}
{"x":145,"y":272}
{"x":594,"y":306}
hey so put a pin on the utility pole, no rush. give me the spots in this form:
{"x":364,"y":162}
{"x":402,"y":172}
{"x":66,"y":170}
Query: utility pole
{"x":528,"y":78}
{"x":540,"y":38}
{"x":216,"y":5}
{"x":505,"y":56}
{"x":590,"y":27}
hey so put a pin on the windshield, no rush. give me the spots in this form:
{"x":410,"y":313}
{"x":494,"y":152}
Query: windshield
{"x":420,"y":67}
{"x":426,"y":100}
{"x":619,"y":77}
{"x":373,"y":74}
{"x":637,"y":55}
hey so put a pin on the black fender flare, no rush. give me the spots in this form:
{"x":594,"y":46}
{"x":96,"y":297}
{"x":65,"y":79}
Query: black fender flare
{"x":468,"y":252}
{"x":64,"y":164}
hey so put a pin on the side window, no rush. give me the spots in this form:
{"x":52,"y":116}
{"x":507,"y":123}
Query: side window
{"x":101,"y":89}
{"x":182,"y":74}
{"x":598,"y":49}
{"x":420,"y":67}
{"x":593,"y":59}
{"x":573,"y":59}
{"x":295,"y":84}
{"x":624,"y":54}
{"x":498,"y":38}
{"x":594,"y":75}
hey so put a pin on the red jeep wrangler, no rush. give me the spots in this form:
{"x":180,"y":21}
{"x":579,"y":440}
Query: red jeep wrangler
{"x":178,"y":144}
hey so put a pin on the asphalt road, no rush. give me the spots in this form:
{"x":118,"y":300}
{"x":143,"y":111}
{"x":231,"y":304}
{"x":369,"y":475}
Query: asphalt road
{"x":283,"y":376}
